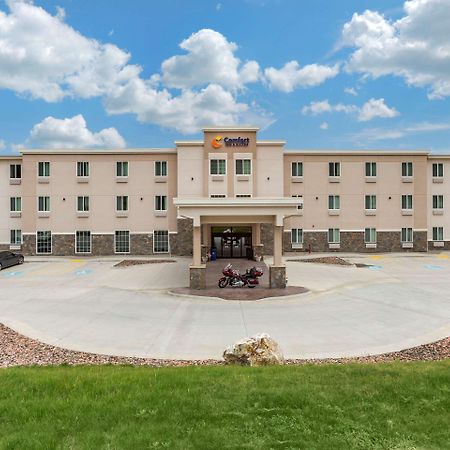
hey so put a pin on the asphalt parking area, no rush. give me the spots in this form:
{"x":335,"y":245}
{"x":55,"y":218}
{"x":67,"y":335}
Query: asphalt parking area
{"x":400,"y":301}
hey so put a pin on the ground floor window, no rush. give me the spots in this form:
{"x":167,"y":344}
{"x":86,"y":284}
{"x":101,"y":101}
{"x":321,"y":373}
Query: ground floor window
{"x":370,"y":235}
{"x":83,"y":242}
{"x":16,"y":237}
{"x":407,"y":234}
{"x":438,"y":233}
{"x":44,"y":242}
{"x":297,"y":236}
{"x":334,"y":236}
{"x":122,"y":242}
{"x":160,"y":241}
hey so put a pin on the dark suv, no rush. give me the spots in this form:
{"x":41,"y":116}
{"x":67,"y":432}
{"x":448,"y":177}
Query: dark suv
{"x":8,"y":259}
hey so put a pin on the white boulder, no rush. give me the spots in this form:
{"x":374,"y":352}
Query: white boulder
{"x":258,"y":350}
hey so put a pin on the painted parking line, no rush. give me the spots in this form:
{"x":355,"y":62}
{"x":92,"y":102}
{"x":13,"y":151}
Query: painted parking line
{"x":375,"y":267}
{"x":12,"y":274}
{"x":443,"y":256}
{"x":83,"y":272}
{"x":433,"y":267}
{"x":376,"y":256}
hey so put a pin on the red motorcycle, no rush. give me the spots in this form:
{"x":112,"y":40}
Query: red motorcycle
{"x":233,"y":278}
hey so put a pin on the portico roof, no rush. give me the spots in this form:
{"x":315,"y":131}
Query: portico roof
{"x":252,"y":210}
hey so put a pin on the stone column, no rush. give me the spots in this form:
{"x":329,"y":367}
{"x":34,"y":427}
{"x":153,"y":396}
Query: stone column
{"x":277,"y":271}
{"x":197,"y":271}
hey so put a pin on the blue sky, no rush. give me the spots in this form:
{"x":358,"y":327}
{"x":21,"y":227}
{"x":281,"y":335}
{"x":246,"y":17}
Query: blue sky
{"x":136,"y":73}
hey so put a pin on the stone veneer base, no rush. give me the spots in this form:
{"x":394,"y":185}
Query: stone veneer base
{"x":197,"y":277}
{"x":277,"y":277}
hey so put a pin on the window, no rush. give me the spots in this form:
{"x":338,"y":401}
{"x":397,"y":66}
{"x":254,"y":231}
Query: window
{"x":371,"y":169}
{"x":122,"y":168}
{"x":370,"y":236}
{"x":43,"y":169}
{"x":370,"y":202}
{"x":122,"y":203}
{"x":438,"y":201}
{"x":334,"y":236}
{"x":161,"y":203}
{"x":334,"y":202}
{"x":82,"y":169}
{"x":407,"y":201}
{"x":334,"y":169}
{"x":300,"y":205}
{"x":407,"y":169}
{"x":217,"y":167}
{"x":407,"y":234}
{"x":438,"y":170}
{"x":217,"y":196}
{"x":83,"y":242}
{"x":16,"y":237}
{"x":438,"y":233}
{"x":16,"y":204}
{"x":243,"y":167}
{"x":297,"y":236}
{"x":43,"y":204}
{"x":83,"y":204}
{"x":15,"y":171}
{"x":44,"y":242}
{"x":297,"y":169}
{"x":161,"y":168}
{"x":122,"y":242}
{"x":160,"y":241}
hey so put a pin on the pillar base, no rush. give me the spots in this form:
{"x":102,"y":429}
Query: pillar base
{"x":277,"y":277}
{"x":258,"y":252}
{"x":197,"y":277}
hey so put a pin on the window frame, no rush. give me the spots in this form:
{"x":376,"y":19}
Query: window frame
{"x":438,"y":173}
{"x":45,"y":203}
{"x":369,"y":166}
{"x":45,"y":165}
{"x":122,"y":200}
{"x":116,"y":241}
{"x":332,"y":172}
{"x":163,"y":202}
{"x":332,"y":202}
{"x":372,"y":233}
{"x":369,"y":205}
{"x":406,"y":165}
{"x":161,"y":165}
{"x":435,"y":234}
{"x":155,"y":234}
{"x":13,"y":171}
{"x":13,"y":202}
{"x":243,"y":161}
{"x":438,"y":201}
{"x":296,"y":232}
{"x":297,"y":172}
{"x":37,"y":242}
{"x":331,"y":232}
{"x":83,"y":199}
{"x":405,"y":205}
{"x":122,"y":164}
{"x":15,"y":233}
{"x":217,"y":160}
{"x":83,"y":165}
{"x":77,"y":242}
{"x":407,"y":231}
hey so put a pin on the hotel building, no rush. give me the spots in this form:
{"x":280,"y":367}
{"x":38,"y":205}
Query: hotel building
{"x":230,"y":192}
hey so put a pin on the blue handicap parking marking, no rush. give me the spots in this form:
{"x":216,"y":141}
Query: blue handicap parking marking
{"x":375,"y":267}
{"x":12,"y":274}
{"x":433,"y":267}
{"x":82,"y":272}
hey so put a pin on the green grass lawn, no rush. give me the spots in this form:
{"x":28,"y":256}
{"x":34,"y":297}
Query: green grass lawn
{"x":397,"y":405}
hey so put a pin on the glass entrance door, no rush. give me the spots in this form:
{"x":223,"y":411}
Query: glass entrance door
{"x":232,"y":242}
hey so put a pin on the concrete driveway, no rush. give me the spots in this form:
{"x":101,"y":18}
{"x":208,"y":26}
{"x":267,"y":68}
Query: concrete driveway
{"x":89,"y":305}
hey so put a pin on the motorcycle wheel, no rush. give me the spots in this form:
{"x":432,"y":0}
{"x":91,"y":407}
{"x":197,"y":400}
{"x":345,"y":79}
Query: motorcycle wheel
{"x":223,"y":282}
{"x":251,"y":286}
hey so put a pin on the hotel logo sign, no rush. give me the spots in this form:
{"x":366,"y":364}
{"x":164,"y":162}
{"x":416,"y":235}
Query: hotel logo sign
{"x":218,"y":141}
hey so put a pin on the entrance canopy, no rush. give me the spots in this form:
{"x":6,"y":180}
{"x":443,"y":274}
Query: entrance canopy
{"x":237,"y":210}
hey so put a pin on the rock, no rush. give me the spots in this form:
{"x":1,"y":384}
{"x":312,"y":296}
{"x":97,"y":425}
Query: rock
{"x":258,"y":350}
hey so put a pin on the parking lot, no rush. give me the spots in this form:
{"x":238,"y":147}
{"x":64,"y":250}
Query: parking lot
{"x":399,"y":301}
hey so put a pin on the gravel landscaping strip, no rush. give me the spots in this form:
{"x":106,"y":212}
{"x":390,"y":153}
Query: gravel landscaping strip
{"x":324,"y":260}
{"x":137,"y":262}
{"x":19,"y":350}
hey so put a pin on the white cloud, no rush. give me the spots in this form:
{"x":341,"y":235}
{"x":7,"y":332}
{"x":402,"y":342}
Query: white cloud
{"x":72,"y":133}
{"x":415,"y":47}
{"x":373,"y":108}
{"x":291,"y":76}
{"x":210,"y":59}
{"x":351,"y":91}
{"x":2,"y":145}
{"x":324,"y":126}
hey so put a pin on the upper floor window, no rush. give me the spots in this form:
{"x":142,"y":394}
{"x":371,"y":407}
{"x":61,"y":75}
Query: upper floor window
{"x":438,"y":233}
{"x":438,"y":170}
{"x":243,"y":167}
{"x":438,"y":201}
{"x":122,"y":203}
{"x":15,"y":171}
{"x":16,"y":204}
{"x":297,"y":169}
{"x":82,"y":169}
{"x":217,"y":167}
{"x":334,"y":202}
{"x":407,"y":169}
{"x":407,"y":201}
{"x":122,"y":168}
{"x":334,"y":169}
{"x":161,"y":203}
{"x":43,"y":169}
{"x":83,"y":204}
{"x":370,"y":202}
{"x":371,"y":169}
{"x":43,"y":204}
{"x":161,"y":168}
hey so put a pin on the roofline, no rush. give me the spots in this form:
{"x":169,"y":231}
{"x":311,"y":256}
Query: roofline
{"x":231,"y":128}
{"x":128,"y":151}
{"x":10,"y":157}
{"x":439,"y":156}
{"x":373,"y":152}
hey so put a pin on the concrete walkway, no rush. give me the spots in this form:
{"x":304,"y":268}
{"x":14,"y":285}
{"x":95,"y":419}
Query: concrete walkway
{"x":89,"y":305}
